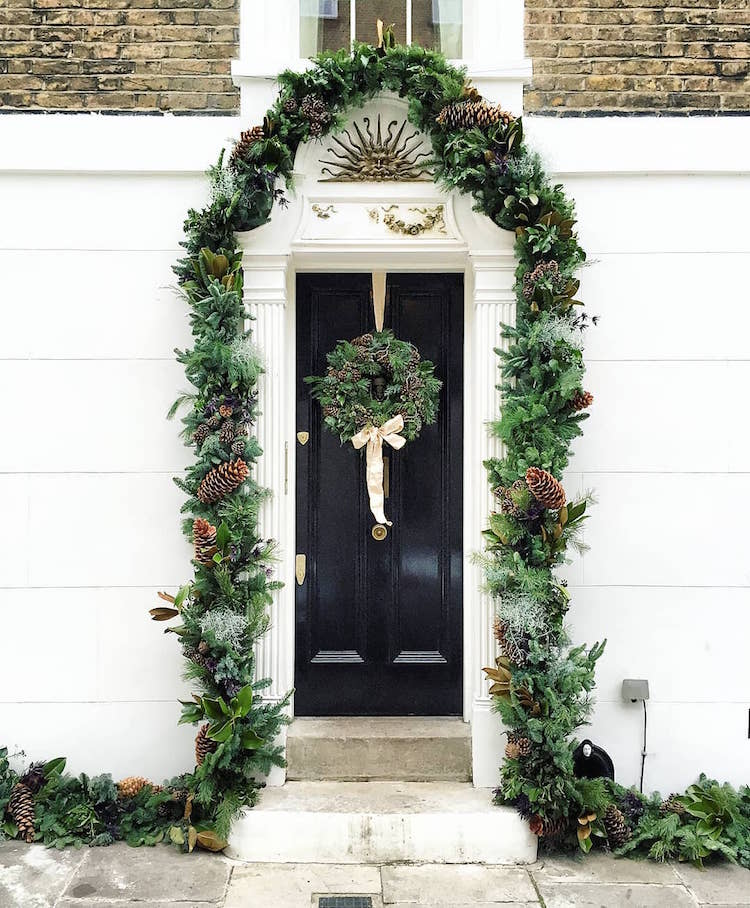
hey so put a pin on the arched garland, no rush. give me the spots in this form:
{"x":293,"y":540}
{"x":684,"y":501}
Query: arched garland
{"x":542,"y":684}
{"x":479,"y":150}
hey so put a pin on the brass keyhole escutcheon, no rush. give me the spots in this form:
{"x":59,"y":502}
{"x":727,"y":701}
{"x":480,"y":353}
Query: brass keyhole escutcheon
{"x":379,"y":532}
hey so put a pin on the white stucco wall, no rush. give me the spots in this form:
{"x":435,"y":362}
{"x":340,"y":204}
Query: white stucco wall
{"x":91,"y":213}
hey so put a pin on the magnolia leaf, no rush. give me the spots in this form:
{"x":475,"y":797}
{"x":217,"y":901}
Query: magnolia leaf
{"x":209,"y":840}
{"x":181,"y":595}
{"x":243,"y":700}
{"x":213,"y":708}
{"x":161,"y":613}
{"x":221,"y":731}
{"x":222,"y":535}
{"x":54,"y":767}
{"x":192,"y":837}
{"x":176,"y":835}
{"x":584,"y":843}
{"x":188,"y":807}
{"x":166,"y":597}
{"x":251,"y":741}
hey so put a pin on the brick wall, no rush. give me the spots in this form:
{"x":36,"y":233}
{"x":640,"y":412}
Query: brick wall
{"x":140,"y":56}
{"x":638,"y":56}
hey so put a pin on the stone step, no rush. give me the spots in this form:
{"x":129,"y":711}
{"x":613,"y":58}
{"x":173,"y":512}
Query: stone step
{"x":381,"y":823}
{"x":409,"y":749}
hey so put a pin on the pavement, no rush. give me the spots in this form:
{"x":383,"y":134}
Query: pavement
{"x":32,"y":876}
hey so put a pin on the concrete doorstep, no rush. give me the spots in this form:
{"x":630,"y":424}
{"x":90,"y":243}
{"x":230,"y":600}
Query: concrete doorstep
{"x":121,"y":877}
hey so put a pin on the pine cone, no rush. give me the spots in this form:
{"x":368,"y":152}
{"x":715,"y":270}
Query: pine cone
{"x":227,"y":432}
{"x":201,"y":433}
{"x":618,"y":831}
{"x":222,"y":481}
{"x":204,"y":648}
{"x":203,"y":745}
{"x":238,"y":447}
{"x":242,"y":147}
{"x":581,"y":400}
{"x":214,"y":421}
{"x":291,"y":105}
{"x":21,"y":809}
{"x":521,"y":742}
{"x":129,"y":787}
{"x":512,"y":750}
{"x":468,"y":114}
{"x":363,"y":340}
{"x":672,"y":805}
{"x":506,"y":496}
{"x":204,"y":541}
{"x":545,"y":488}
{"x":550,"y":829}
{"x":225,"y":411}
{"x":510,"y":648}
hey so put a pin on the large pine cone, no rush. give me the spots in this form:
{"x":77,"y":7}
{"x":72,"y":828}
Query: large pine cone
{"x":468,"y":114}
{"x":222,"y":481}
{"x":545,"y":488}
{"x":519,"y":743}
{"x":247,"y":139}
{"x":549,"y":828}
{"x":204,"y":541}
{"x":130,"y":786}
{"x":203,"y":745}
{"x":672,"y":805}
{"x":581,"y":400}
{"x":21,"y":809}
{"x":618,"y":831}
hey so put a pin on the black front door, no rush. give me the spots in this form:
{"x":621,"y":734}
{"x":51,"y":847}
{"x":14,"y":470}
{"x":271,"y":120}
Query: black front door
{"x":379,"y":629}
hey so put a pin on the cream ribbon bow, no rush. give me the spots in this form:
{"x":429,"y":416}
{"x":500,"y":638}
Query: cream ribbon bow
{"x":373,"y":437}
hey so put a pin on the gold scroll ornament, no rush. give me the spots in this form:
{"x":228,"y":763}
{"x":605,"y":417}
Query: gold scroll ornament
{"x":373,"y":437}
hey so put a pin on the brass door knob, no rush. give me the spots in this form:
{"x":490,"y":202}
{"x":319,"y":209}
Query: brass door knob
{"x":379,"y":532}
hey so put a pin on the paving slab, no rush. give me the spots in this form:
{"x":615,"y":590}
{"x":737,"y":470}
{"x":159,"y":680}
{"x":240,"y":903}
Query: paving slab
{"x":293,"y":885}
{"x":119,"y":903}
{"x":120,"y":873}
{"x":32,"y":876}
{"x":602,"y":868}
{"x":451,"y":884}
{"x":719,"y":884}
{"x":615,"y":895}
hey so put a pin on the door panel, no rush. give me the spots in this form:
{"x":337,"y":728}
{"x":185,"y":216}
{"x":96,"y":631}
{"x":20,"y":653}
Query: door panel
{"x":379,"y":628}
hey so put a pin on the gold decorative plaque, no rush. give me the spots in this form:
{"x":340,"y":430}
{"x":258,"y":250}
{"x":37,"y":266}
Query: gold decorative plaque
{"x":367,"y":157}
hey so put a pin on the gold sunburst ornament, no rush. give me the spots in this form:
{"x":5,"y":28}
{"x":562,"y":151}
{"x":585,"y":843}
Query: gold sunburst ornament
{"x":369,"y":156}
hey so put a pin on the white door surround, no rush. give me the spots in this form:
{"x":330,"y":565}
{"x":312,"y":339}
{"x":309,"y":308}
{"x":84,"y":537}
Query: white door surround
{"x":335,"y":227}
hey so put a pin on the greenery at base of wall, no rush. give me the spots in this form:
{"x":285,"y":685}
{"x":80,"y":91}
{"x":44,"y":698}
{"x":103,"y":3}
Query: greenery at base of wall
{"x":541,"y":682}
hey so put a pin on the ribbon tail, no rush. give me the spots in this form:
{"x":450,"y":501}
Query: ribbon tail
{"x":375,"y":480}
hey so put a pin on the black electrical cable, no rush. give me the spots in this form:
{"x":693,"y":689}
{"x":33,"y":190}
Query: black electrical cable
{"x":643,"y":750}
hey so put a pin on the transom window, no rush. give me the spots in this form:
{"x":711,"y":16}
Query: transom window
{"x":333,"y":24}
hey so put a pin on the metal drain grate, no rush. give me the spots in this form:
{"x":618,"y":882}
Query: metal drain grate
{"x":345,"y":901}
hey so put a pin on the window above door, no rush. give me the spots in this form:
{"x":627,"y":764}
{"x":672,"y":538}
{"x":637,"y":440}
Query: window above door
{"x":334,"y":24}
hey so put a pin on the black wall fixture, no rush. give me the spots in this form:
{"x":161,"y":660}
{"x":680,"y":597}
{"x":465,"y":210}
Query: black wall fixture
{"x":592,"y":762}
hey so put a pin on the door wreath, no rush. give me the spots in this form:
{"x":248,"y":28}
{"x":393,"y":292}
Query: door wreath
{"x":377,"y":389}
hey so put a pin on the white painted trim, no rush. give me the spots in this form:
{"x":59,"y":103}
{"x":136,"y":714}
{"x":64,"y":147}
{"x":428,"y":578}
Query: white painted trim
{"x":641,"y":145}
{"x":97,"y":143}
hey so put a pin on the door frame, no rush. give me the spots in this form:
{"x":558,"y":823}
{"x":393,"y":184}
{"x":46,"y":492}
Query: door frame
{"x":301,"y":238}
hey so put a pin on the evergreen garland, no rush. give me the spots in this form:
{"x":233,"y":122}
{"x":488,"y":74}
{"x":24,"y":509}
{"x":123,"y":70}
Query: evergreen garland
{"x":542,"y":685}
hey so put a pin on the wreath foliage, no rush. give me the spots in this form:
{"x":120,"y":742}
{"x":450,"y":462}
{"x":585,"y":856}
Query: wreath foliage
{"x":346,"y":393}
